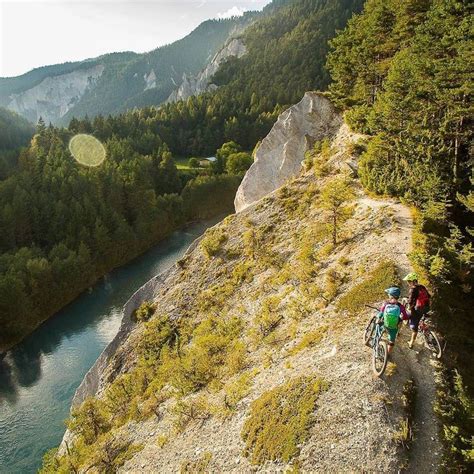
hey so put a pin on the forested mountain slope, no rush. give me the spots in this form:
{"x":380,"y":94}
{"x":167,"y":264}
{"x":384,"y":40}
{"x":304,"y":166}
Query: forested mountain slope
{"x":404,"y":72}
{"x":286,"y":54}
{"x":65,"y":225}
{"x":114,"y":82}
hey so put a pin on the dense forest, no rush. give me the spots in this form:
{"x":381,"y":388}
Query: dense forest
{"x":15,"y":132}
{"x":65,"y":225}
{"x":404,"y":73}
{"x":286,"y":56}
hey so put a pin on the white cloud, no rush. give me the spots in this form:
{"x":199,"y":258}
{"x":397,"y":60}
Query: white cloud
{"x":234,"y":11}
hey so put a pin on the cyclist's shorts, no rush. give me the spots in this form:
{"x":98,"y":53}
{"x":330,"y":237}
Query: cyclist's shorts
{"x":391,"y":335}
{"x":415,"y":318}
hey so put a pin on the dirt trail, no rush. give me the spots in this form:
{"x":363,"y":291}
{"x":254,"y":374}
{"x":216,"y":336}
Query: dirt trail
{"x":416,"y":363}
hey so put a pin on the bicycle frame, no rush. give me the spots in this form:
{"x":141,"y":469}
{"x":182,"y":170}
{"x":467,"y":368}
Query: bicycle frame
{"x":379,"y":330}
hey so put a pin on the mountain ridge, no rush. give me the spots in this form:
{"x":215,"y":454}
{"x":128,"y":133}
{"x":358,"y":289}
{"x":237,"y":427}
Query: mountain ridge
{"x":127,"y":70}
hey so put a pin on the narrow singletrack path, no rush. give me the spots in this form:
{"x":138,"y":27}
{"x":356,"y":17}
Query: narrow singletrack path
{"x":426,"y":449}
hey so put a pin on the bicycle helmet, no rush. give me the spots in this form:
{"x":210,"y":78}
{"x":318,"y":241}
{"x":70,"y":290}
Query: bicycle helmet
{"x":393,"y":291}
{"x":411,"y":277}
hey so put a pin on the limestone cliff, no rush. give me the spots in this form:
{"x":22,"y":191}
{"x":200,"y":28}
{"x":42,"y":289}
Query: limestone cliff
{"x":195,"y":85}
{"x":54,"y":96}
{"x":281,"y":153}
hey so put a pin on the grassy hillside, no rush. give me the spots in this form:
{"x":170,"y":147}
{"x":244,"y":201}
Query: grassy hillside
{"x":252,"y":363}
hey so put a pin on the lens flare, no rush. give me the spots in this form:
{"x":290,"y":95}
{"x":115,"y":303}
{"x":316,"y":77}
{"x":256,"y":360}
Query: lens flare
{"x":87,"y":150}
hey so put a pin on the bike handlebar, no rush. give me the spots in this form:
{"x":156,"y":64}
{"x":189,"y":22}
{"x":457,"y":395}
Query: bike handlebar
{"x":372,"y":307}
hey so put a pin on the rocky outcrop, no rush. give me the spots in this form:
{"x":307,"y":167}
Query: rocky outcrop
{"x":54,"y":96}
{"x":150,"y":80}
{"x":276,"y":260}
{"x":94,"y":379}
{"x":280,"y":155}
{"x":195,"y":85}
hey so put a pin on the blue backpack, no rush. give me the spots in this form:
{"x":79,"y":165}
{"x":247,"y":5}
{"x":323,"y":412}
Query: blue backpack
{"x":391,"y":316}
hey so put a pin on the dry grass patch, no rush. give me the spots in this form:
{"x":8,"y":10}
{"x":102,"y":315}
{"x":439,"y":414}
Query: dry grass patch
{"x":280,"y":420}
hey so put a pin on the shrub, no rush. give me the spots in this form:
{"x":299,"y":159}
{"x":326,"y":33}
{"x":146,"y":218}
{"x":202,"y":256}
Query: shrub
{"x":242,"y":273}
{"x":193,"y":163}
{"x":236,"y":390}
{"x":212,"y":241}
{"x":89,"y":421}
{"x":145,"y":311}
{"x":309,"y":340}
{"x":332,"y":284}
{"x":268,"y":317}
{"x":162,"y":440}
{"x":371,"y":289}
{"x":158,"y":333}
{"x":404,"y":434}
{"x":204,"y":359}
{"x":199,"y":466}
{"x":280,"y":420}
{"x":195,"y":409}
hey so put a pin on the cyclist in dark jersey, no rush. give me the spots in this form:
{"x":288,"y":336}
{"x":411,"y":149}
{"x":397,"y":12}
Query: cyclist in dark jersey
{"x":418,"y":304}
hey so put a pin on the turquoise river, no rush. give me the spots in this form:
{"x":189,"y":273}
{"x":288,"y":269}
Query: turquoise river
{"x":38,"y":378}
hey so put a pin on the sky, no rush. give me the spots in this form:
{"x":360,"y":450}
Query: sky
{"x":40,"y":32}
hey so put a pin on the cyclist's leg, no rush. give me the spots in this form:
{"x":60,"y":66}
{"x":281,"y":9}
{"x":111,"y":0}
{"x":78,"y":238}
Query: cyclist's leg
{"x":391,"y":336}
{"x":414,"y":321}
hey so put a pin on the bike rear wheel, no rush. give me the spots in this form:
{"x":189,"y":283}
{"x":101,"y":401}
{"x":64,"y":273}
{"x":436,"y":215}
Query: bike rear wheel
{"x":433,"y":343}
{"x":369,"y":332}
{"x":380,"y":358}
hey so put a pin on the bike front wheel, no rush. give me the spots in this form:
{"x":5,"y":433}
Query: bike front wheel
{"x":380,"y":358}
{"x":369,"y":332}
{"x":433,"y":343}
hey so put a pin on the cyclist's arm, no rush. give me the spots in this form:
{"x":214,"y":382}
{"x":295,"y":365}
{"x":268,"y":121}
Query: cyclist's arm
{"x":380,"y":313}
{"x":404,"y":314}
{"x":412,"y":297}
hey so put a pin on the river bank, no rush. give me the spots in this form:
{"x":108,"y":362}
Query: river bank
{"x":39,"y":377}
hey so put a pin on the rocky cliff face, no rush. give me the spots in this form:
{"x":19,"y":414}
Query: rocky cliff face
{"x":195,"y":85}
{"x":54,"y":96}
{"x":259,"y":323}
{"x":281,"y":153}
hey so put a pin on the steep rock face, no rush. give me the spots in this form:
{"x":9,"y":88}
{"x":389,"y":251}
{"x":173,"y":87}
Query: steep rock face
{"x":150,"y":80}
{"x":281,"y":153}
{"x":195,"y":85}
{"x":274,"y":260}
{"x":54,"y":96}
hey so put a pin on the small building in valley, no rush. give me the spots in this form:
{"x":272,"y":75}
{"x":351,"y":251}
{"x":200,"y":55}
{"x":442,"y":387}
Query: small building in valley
{"x":204,"y":162}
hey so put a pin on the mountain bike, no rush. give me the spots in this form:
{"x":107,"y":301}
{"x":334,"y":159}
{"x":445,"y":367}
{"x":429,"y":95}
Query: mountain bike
{"x":429,"y":336}
{"x":373,"y":338}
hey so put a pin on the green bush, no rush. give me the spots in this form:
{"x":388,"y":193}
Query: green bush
{"x":370,"y":290}
{"x":455,"y":408}
{"x":280,"y":420}
{"x":145,"y":311}
{"x":212,"y":242}
{"x":310,"y":339}
{"x":268,"y":318}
